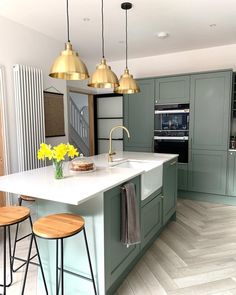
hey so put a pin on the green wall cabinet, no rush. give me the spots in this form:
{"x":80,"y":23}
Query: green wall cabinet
{"x":151,"y":218}
{"x":172,"y":90}
{"x":231,"y":185}
{"x":139,"y":118}
{"x":207,"y":171}
{"x":117,"y":256}
{"x":210,"y":110}
{"x":169,"y":189}
{"x":182,"y":176}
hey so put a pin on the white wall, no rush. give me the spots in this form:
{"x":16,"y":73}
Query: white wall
{"x":21,"y":45}
{"x":215,"y":58}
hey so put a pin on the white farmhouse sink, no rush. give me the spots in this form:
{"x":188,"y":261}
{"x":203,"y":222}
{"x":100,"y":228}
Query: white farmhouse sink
{"x":151,"y":179}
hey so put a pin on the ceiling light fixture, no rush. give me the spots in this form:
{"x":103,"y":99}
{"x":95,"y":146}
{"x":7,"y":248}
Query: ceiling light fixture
{"x":68,"y":65}
{"x":163,"y":35}
{"x":103,"y":77}
{"x":128,"y":85}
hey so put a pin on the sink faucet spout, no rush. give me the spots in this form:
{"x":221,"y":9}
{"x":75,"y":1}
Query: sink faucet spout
{"x":111,"y":153}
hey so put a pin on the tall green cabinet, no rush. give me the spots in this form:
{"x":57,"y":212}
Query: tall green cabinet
{"x":139,"y":118}
{"x":209,"y":131}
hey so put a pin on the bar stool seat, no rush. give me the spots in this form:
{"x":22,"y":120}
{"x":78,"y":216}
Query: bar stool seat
{"x":58,"y":226}
{"x":13,"y":214}
{"x":27,"y":198}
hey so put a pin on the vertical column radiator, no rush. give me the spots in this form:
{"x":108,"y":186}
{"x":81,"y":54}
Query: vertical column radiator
{"x":29,"y":106}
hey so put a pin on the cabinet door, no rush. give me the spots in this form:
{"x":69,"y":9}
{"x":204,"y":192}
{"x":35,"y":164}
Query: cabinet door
{"x":182,"y":176}
{"x":139,"y":118}
{"x":117,"y":256}
{"x":210,"y":110}
{"x":207,"y":171}
{"x":173,"y":90}
{"x":231,"y":187}
{"x":169,"y":189}
{"x":151,"y":219}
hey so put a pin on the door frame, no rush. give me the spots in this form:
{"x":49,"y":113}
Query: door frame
{"x":91,"y":115}
{"x":4,"y":129}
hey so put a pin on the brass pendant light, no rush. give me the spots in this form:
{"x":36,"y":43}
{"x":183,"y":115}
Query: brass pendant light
{"x":128,"y":85}
{"x":68,"y":65}
{"x":103,"y":77}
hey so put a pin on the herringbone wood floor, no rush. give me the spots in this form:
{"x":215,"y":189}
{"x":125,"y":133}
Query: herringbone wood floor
{"x":194,"y":256}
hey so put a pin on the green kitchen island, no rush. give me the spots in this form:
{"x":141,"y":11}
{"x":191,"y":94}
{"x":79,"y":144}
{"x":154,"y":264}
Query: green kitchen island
{"x":96,"y":196}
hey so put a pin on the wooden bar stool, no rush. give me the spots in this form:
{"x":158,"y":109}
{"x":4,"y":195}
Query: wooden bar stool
{"x":9,"y":216}
{"x":20,"y":200}
{"x":58,"y":227}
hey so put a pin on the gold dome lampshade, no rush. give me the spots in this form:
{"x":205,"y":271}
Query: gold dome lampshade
{"x":127,"y":84}
{"x":69,"y":66}
{"x":103,"y":77}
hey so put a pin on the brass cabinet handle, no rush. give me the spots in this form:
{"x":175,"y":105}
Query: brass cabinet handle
{"x":173,"y":163}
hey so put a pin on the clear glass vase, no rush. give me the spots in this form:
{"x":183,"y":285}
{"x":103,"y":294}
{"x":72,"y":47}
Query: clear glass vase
{"x":58,"y":169}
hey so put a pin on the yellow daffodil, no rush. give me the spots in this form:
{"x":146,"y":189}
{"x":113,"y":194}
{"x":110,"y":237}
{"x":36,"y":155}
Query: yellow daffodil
{"x":45,"y":151}
{"x":72,"y":152}
{"x":57,"y":153}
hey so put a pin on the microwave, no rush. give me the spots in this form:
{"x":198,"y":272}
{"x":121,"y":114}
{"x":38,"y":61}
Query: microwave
{"x":171,"y":120}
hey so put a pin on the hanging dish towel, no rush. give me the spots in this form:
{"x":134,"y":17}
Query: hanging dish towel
{"x":130,"y":225}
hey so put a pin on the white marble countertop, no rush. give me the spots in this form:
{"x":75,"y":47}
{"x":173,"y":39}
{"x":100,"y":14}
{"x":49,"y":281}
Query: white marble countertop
{"x":76,"y":189}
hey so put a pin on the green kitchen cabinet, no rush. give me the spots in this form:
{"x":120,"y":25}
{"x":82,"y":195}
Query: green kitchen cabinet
{"x":231,"y":183}
{"x":172,"y":90}
{"x":207,"y":171}
{"x":151,"y":218}
{"x":139,"y":118}
{"x":182,"y":176}
{"x":169,"y":189}
{"x":117,"y":256}
{"x":210,"y":110}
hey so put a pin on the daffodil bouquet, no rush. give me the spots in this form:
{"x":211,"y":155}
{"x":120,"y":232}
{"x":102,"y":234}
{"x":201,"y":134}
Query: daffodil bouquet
{"x":57,"y":154}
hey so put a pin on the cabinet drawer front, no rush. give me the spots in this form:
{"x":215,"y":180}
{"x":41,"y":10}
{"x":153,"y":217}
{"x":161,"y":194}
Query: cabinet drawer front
{"x":173,"y":89}
{"x":207,"y":171}
{"x":231,"y":186}
{"x":151,"y":219}
{"x":210,"y":111}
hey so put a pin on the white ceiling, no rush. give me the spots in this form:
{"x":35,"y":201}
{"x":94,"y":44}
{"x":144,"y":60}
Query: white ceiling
{"x":187,"y":22}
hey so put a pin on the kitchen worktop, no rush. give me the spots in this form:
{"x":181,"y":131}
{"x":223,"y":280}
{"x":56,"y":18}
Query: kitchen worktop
{"x":76,"y":189}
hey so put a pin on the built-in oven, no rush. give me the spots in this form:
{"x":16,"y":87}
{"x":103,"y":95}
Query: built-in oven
{"x":171,"y":130}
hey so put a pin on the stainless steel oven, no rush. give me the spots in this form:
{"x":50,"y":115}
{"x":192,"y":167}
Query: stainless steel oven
{"x":171,"y":130}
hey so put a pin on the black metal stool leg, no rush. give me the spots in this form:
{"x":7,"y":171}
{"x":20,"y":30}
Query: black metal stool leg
{"x":5,"y":284}
{"x":4,"y":259}
{"x":11,"y":270}
{"x":62,"y":268}
{"x":89,"y":259}
{"x":57,"y":269}
{"x":39,"y":258}
{"x":14,"y":248}
{"x":28,"y":261}
{"x":27,"y":265}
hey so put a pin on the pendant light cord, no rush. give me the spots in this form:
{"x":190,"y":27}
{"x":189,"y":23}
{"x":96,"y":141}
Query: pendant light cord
{"x":68,"y":21}
{"x":126,"y":39}
{"x":103,"y":49}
